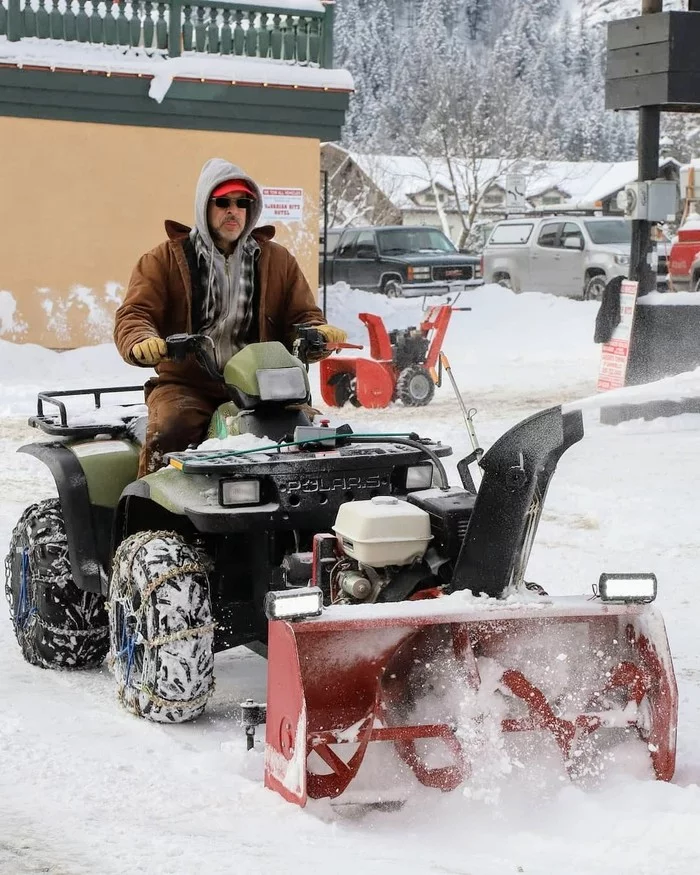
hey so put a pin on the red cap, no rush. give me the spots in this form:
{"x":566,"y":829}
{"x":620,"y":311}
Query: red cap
{"x":231,"y":186}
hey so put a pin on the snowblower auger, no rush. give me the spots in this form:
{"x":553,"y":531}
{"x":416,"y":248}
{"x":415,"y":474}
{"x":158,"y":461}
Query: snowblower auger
{"x":338,"y":685}
{"x":456,"y":657}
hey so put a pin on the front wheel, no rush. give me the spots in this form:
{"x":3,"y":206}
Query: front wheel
{"x":160,"y":627}
{"x":56,"y":624}
{"x":503,"y":279}
{"x":415,"y":387}
{"x":594,"y":288}
{"x":393,"y":289}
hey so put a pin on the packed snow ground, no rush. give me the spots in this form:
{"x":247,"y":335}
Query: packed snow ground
{"x":86,"y":788}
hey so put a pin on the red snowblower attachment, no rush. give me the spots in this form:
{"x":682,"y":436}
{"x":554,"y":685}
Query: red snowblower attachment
{"x":448,"y":662}
{"x":403,"y":364}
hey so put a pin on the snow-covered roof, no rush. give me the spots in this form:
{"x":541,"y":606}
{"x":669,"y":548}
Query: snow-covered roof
{"x":85,"y":57}
{"x":400,"y":177}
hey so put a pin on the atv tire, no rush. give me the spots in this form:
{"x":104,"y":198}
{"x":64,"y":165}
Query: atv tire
{"x":56,"y":624}
{"x":415,"y":387}
{"x":160,"y":628}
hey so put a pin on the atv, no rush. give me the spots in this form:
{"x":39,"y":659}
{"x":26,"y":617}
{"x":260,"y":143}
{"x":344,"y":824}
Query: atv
{"x":347,"y":559}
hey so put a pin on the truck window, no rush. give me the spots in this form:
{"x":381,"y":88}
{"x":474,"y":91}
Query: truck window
{"x":399,"y":241}
{"x":366,"y":245}
{"x":610,"y":231}
{"x":549,"y":234}
{"x":346,"y":249}
{"x":503,"y":234}
{"x":572,"y":232}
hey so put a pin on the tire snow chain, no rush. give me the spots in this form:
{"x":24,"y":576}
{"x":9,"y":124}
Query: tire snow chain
{"x":189,"y":568}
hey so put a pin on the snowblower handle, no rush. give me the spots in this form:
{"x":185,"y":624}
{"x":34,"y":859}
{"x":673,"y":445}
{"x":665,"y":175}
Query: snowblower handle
{"x":336,"y":347}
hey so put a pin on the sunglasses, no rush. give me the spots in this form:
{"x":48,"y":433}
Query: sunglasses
{"x":223,"y":203}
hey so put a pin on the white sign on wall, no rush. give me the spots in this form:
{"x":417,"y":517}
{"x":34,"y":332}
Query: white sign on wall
{"x":282,"y":205}
{"x":615,"y":353}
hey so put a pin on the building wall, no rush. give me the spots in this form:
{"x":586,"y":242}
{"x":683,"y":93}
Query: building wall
{"x":81,"y":202}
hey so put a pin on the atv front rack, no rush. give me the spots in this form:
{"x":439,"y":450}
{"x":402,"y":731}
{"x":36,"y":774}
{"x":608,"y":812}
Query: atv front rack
{"x":58,"y":422}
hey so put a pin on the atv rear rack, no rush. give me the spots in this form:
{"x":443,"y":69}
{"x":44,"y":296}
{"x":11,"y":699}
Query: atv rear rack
{"x":58,"y":423}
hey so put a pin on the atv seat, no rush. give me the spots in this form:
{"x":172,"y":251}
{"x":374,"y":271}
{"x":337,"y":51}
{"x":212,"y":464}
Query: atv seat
{"x":136,"y":429}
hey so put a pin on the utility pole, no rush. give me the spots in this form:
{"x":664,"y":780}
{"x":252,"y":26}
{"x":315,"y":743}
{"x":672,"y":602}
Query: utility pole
{"x":648,"y":168}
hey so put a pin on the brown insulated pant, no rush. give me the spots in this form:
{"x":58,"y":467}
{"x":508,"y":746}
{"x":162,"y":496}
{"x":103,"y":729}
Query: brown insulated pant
{"x":178,"y":415}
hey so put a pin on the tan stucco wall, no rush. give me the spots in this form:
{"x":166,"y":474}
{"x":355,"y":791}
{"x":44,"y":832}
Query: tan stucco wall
{"x":81,"y":202}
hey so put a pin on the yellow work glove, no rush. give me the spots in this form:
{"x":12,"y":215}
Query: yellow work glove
{"x":150,"y":351}
{"x":332,"y":334}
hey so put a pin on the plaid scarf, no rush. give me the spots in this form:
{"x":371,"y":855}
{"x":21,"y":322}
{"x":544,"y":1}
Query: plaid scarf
{"x":229,"y":287}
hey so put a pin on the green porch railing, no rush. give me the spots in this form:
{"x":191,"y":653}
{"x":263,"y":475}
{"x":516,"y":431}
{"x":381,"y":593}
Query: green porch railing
{"x":171,"y":27}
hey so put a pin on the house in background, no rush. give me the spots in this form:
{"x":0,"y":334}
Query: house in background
{"x":107,"y":114}
{"x":395,"y":189}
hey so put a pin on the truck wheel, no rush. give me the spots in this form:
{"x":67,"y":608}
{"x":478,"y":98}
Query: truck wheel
{"x":594,"y":288}
{"x":415,"y":387}
{"x":160,"y":628}
{"x":56,"y":624}
{"x":503,"y":279}
{"x":393,"y":289}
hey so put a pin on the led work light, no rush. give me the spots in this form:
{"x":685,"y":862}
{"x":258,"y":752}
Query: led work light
{"x":639,"y":588}
{"x":294,"y":604}
{"x":419,"y":477}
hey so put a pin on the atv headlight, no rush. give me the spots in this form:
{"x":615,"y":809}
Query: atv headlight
{"x":419,"y":477}
{"x":234,"y":493}
{"x":294,"y":604}
{"x":639,"y":588}
{"x":281,"y":384}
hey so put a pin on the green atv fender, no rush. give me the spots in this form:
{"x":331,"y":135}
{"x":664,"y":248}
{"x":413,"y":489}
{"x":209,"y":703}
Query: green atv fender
{"x":90,"y":476}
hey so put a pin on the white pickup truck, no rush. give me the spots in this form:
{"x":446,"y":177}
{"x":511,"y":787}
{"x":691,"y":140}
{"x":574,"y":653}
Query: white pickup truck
{"x":563,"y":255}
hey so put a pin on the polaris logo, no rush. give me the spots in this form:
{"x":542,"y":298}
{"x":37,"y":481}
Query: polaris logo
{"x":332,"y":484}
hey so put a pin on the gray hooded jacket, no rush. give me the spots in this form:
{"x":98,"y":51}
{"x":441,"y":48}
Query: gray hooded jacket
{"x":227,"y":281}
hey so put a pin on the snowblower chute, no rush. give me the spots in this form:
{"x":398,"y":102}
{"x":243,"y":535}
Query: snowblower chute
{"x":367,"y":700}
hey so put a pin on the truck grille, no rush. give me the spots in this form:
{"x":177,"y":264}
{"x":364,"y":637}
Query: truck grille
{"x":448,"y":272}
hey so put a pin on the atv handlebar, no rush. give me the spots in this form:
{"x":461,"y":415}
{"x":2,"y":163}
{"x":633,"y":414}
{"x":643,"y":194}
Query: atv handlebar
{"x":201,"y":346}
{"x":310,"y":341}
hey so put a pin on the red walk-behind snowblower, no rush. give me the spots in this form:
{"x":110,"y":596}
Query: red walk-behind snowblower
{"x":418,"y":653}
{"x":402,"y":366}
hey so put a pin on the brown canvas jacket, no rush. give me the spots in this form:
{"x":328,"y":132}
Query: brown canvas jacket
{"x":158,"y":299}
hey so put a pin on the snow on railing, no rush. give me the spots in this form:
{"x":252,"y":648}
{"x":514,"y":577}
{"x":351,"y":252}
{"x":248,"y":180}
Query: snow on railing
{"x":299,"y":34}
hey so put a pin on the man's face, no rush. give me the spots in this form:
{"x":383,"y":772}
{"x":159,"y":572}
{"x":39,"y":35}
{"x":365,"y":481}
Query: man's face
{"x":226,"y":216}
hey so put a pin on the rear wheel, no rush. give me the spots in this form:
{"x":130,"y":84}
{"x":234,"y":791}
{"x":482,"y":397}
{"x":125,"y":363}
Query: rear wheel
{"x":161,"y":628}
{"x":415,"y":387}
{"x":56,"y":624}
{"x":594,"y":288}
{"x":393,"y":289}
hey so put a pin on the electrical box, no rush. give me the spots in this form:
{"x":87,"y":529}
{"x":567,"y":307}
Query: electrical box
{"x":653,"y":60}
{"x":654,"y":200}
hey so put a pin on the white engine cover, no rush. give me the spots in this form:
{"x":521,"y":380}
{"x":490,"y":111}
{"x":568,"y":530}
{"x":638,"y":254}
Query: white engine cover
{"x":382,"y":531}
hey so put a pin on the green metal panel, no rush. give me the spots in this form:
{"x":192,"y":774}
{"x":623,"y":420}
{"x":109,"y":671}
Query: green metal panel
{"x":109,"y":467}
{"x":190,"y":105}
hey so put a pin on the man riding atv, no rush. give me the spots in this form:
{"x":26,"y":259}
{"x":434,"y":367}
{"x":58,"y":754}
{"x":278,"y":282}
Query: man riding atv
{"x":225,"y":279}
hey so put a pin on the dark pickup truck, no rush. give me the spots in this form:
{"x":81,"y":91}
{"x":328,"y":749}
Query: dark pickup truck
{"x":398,"y":261}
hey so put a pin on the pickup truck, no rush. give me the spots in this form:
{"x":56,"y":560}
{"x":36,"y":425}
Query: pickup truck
{"x":398,"y":261}
{"x":684,"y":257}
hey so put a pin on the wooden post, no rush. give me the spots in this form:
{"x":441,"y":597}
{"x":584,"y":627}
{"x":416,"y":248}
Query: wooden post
{"x":648,"y":168}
